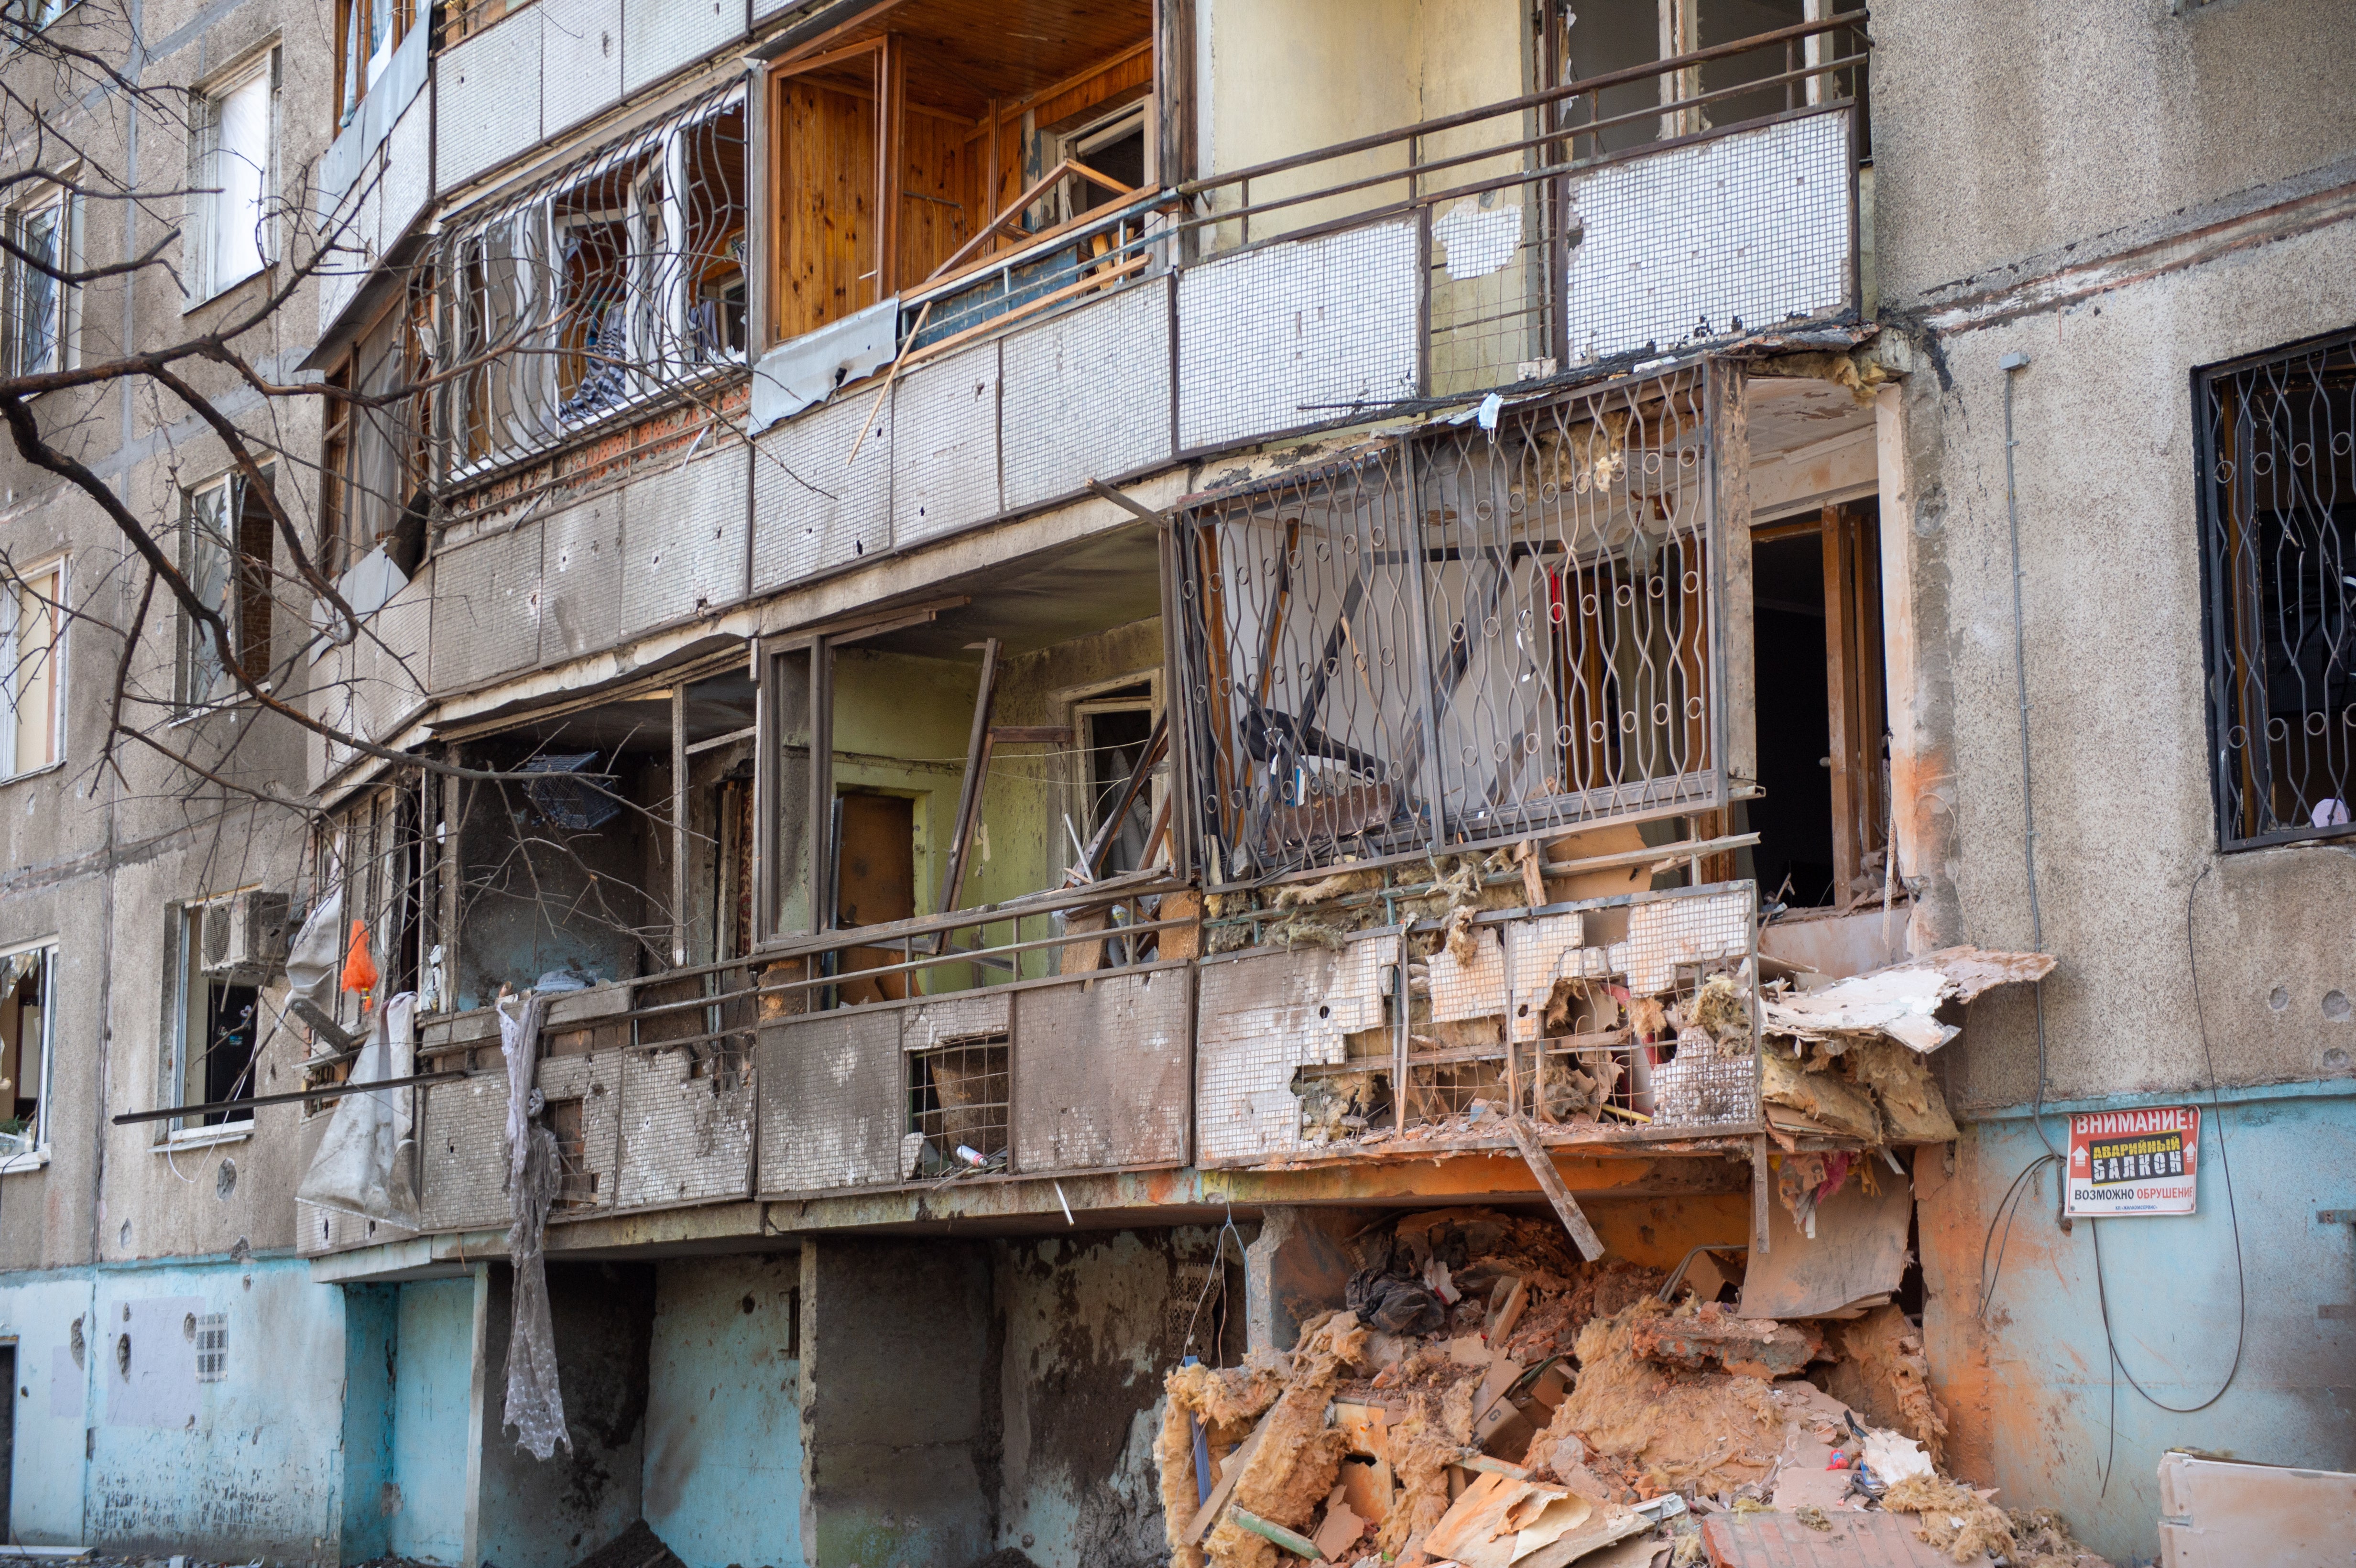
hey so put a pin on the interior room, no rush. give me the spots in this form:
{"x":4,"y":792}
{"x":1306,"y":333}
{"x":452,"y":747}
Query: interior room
{"x":1070,"y":647}
{"x":923,"y":136}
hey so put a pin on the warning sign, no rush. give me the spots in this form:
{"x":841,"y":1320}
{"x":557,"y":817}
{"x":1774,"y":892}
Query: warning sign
{"x":2134,"y":1162}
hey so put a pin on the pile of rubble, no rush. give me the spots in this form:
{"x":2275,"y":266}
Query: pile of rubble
{"x":1482,"y":1397}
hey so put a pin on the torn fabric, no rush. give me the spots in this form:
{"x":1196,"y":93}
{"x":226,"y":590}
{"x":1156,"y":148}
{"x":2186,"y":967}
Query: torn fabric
{"x":363,"y":1165}
{"x":535,"y":1406}
{"x":317,"y":955}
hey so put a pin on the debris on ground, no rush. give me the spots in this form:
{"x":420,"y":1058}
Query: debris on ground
{"x":636,"y":1547}
{"x":1482,"y":1396}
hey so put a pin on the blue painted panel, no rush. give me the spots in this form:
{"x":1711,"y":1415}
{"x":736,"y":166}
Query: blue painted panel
{"x":2032,"y":1396}
{"x":433,"y":1392}
{"x":371,"y":1329}
{"x":723,"y":1416}
{"x":238,"y":1456}
{"x":45,"y":1487}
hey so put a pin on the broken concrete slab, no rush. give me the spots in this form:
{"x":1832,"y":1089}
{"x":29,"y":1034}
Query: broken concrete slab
{"x":1713,"y":1337}
{"x":1859,"y":1253}
{"x":1776,"y":1540}
{"x":1899,"y":1001}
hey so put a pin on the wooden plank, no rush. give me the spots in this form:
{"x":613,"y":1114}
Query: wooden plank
{"x":1839,"y":704}
{"x":1566,"y":1208}
{"x":977,"y":760}
{"x":1230,"y":1472}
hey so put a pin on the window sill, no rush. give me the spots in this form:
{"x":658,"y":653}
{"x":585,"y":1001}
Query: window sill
{"x":190,"y":307}
{"x":205,"y":1137}
{"x":20,"y":1164}
{"x":57,"y":766}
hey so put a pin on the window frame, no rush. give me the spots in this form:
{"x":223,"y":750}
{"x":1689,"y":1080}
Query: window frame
{"x":12,"y":674}
{"x":2243,"y":810}
{"x":37,"y":1154}
{"x":356,"y":75}
{"x":205,"y":153}
{"x":246,"y":585}
{"x":64,"y":350}
{"x":187,"y":977}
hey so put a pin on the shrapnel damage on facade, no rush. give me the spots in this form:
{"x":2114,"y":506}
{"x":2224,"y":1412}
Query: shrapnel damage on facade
{"x":1100,"y":781}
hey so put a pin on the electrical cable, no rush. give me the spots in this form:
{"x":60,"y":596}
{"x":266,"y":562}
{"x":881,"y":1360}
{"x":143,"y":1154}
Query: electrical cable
{"x":2011,"y":364}
{"x":2232,"y":1211}
{"x":1217,"y":1274}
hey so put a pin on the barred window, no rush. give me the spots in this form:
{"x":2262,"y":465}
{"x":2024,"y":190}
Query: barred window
{"x":2278,"y":489}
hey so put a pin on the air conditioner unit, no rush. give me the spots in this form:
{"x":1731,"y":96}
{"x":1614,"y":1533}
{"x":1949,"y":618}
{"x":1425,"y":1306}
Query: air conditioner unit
{"x":245,"y":934}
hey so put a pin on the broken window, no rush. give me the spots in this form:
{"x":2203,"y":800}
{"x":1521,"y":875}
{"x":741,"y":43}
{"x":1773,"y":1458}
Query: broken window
{"x":2279,"y":551}
{"x":607,"y":284}
{"x":371,"y":850}
{"x":934,"y":137}
{"x":43,"y":244}
{"x":370,"y":30}
{"x":1115,"y":731}
{"x":216,"y":1020}
{"x":28,"y":982}
{"x":1467,"y":637}
{"x":958,"y":1094}
{"x":373,"y":451}
{"x":228,"y":542}
{"x":32,"y":713}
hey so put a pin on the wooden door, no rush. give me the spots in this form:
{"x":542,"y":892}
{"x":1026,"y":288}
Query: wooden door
{"x":877,"y":882}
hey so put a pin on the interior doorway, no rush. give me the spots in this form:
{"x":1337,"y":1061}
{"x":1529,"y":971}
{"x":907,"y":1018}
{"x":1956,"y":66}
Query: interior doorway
{"x":1823,"y":710}
{"x":875,"y":882}
{"x":1115,"y":728}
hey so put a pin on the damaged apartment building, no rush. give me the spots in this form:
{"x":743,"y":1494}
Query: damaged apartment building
{"x":1197,"y":781}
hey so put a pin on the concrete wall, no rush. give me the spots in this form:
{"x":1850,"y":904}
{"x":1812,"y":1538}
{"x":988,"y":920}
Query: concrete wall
{"x":723,"y":1465}
{"x":899,"y":1396}
{"x":1981,"y":115}
{"x":2032,"y":1409}
{"x":533,"y":1513}
{"x":2198,"y":226}
{"x":1093,"y":1323}
{"x":435,"y":1356}
{"x":132,"y":1448}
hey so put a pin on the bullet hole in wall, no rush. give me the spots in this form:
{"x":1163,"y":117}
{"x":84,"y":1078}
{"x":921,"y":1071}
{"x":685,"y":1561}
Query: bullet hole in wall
{"x":123,"y":1356}
{"x":124,"y":1234}
{"x":76,"y":1344}
{"x":2278,"y":998}
{"x":2336,"y":1006}
{"x":225,"y":1180}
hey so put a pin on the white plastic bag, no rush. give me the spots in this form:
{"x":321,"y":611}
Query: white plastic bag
{"x":362,"y":1164}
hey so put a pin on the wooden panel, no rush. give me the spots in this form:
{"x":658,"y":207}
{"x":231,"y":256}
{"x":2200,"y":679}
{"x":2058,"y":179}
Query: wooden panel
{"x":938,"y":197}
{"x":827,"y":182}
{"x":962,"y":53}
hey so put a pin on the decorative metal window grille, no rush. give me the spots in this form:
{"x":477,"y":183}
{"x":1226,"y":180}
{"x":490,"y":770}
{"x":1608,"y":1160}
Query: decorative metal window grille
{"x":1468,"y":635}
{"x":958,"y":1096}
{"x":212,"y":1347}
{"x":2278,"y":488}
{"x":609,"y":282}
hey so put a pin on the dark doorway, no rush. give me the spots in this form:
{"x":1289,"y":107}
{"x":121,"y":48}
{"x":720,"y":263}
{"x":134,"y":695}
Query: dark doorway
{"x":7,"y":1439}
{"x":1795,"y":817}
